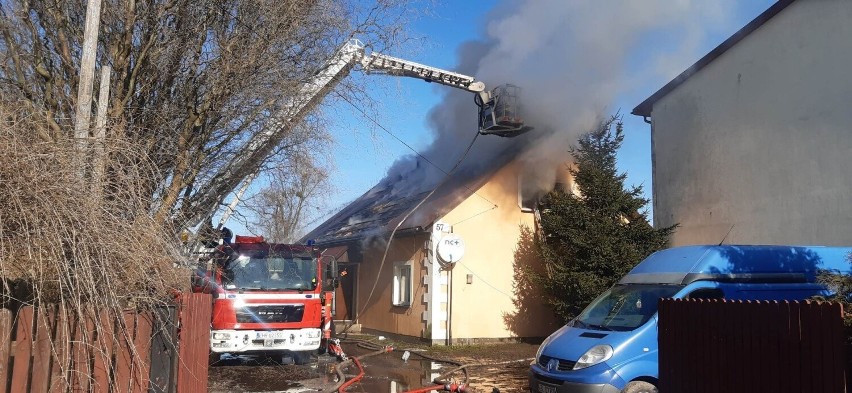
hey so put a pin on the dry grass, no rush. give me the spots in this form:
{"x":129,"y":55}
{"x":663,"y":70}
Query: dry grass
{"x":64,"y":239}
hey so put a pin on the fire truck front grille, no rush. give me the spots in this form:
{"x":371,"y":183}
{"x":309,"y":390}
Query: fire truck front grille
{"x":270,"y":314}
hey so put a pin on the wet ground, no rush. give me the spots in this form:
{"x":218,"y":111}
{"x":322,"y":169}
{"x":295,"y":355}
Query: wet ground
{"x":384,"y":373}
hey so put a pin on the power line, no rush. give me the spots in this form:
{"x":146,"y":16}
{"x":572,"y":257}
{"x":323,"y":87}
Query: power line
{"x":374,"y":121}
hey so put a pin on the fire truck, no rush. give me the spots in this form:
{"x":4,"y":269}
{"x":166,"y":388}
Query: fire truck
{"x":268,"y":298}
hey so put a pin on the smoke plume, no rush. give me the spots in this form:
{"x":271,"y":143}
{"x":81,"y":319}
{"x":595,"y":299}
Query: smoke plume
{"x":572,"y":59}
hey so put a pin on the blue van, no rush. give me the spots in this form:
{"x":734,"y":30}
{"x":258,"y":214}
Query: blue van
{"x":611,"y":346}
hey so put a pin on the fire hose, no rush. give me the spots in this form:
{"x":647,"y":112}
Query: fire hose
{"x":343,"y":383}
{"x":439,"y":383}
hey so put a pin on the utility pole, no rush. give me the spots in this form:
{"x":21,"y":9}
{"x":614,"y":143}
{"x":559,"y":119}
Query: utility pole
{"x":87,"y":75}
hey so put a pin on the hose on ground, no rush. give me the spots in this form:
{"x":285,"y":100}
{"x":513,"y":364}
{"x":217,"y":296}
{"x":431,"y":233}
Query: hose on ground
{"x":440,"y":380}
{"x":343,"y":383}
{"x":466,"y":366}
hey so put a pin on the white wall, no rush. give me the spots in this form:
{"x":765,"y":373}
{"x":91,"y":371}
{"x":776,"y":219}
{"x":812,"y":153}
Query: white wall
{"x":761,"y":138}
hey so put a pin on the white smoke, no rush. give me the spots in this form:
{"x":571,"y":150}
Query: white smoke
{"x":572,"y":59}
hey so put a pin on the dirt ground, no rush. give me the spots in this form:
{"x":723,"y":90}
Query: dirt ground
{"x":498,"y":367}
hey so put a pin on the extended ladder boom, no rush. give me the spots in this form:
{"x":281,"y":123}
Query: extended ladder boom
{"x":383,"y":64}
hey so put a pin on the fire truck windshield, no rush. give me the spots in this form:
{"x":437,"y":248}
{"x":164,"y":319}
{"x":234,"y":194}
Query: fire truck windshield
{"x":272,"y":272}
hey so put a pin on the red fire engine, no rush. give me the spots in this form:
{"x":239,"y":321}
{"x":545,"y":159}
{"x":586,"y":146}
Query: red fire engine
{"x":268,"y":298}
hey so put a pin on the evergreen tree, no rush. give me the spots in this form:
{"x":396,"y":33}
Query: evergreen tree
{"x":589,"y":241}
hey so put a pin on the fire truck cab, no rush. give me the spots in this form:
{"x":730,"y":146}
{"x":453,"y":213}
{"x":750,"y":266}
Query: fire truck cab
{"x":268,"y":298}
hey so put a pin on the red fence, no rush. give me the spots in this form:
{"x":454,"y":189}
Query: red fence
{"x":735,"y":346}
{"x":48,"y":349}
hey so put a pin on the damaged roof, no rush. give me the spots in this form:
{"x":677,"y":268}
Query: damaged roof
{"x":380,"y":209}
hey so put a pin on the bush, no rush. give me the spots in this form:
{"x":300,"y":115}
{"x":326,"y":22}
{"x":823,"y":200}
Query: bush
{"x":66,"y":238}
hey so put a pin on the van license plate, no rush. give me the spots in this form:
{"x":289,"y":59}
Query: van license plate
{"x":546,"y":388}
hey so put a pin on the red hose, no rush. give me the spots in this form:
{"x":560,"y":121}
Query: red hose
{"x":425,"y":389}
{"x":355,"y":379}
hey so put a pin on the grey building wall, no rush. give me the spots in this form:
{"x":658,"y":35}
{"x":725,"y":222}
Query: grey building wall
{"x":759,"y":142}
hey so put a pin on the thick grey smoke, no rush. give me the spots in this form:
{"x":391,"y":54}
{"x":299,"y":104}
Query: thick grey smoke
{"x":572,"y":58}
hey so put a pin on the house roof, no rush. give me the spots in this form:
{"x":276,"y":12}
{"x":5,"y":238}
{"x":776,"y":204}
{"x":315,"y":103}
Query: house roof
{"x":381,"y":208}
{"x":644,"y":108}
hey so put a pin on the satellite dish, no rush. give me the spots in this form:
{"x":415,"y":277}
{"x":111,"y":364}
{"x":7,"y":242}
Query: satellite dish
{"x":451,"y":248}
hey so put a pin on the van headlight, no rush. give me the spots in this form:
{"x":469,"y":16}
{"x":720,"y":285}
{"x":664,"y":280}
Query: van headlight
{"x":595,"y":355}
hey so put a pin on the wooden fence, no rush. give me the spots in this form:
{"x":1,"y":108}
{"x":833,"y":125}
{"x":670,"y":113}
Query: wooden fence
{"x":736,"y":346}
{"x":47,"y":349}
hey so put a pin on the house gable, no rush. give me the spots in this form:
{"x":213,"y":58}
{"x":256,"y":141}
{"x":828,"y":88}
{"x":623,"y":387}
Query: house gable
{"x":645,"y":108}
{"x":754,"y":148}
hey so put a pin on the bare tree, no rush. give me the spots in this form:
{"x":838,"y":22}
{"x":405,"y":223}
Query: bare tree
{"x":194,"y":80}
{"x":297,"y":187}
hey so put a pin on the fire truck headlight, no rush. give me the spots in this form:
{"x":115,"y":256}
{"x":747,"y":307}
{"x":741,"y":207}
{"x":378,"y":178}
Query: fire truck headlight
{"x":221,"y":336}
{"x":313,"y":334}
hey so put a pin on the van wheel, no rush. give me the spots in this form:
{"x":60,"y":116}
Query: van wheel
{"x":640,"y":387}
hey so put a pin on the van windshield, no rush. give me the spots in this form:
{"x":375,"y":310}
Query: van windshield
{"x":624,"y":307}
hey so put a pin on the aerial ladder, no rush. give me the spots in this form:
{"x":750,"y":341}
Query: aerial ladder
{"x":499,"y":114}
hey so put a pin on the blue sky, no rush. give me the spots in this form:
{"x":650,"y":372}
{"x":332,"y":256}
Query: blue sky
{"x":363,"y":150}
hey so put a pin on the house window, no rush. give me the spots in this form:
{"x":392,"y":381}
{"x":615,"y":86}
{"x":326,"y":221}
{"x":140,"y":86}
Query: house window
{"x":402,"y":284}
{"x":528,"y":195}
{"x":531,"y":190}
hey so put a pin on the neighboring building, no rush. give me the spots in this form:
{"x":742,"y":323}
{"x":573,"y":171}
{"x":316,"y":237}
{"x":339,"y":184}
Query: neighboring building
{"x":755,"y":139}
{"x":410,"y":294}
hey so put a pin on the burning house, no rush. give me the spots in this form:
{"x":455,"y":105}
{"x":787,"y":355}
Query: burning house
{"x":448,"y":273}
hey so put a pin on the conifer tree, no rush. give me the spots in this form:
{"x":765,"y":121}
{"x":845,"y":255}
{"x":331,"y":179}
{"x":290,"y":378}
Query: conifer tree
{"x":591,"y":237}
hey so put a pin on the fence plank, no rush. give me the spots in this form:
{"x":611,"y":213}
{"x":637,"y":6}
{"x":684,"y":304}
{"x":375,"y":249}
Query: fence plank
{"x":61,"y":357}
{"x":718,"y":323}
{"x":44,"y":317}
{"x":739,"y":342}
{"x":23,"y":350}
{"x":104,"y":329}
{"x":833,"y":343}
{"x":796,"y":350}
{"x":194,"y":343}
{"x":810,"y":348}
{"x":142,"y":359}
{"x":5,"y":348}
{"x":124,"y":351}
{"x":773,"y":354}
{"x":164,"y":352}
{"x":81,"y":348}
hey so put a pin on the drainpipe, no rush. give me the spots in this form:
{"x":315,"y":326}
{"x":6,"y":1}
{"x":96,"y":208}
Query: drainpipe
{"x":450,"y":306}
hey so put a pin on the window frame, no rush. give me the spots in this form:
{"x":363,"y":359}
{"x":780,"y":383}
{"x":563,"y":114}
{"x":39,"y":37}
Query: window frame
{"x":399,"y":298}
